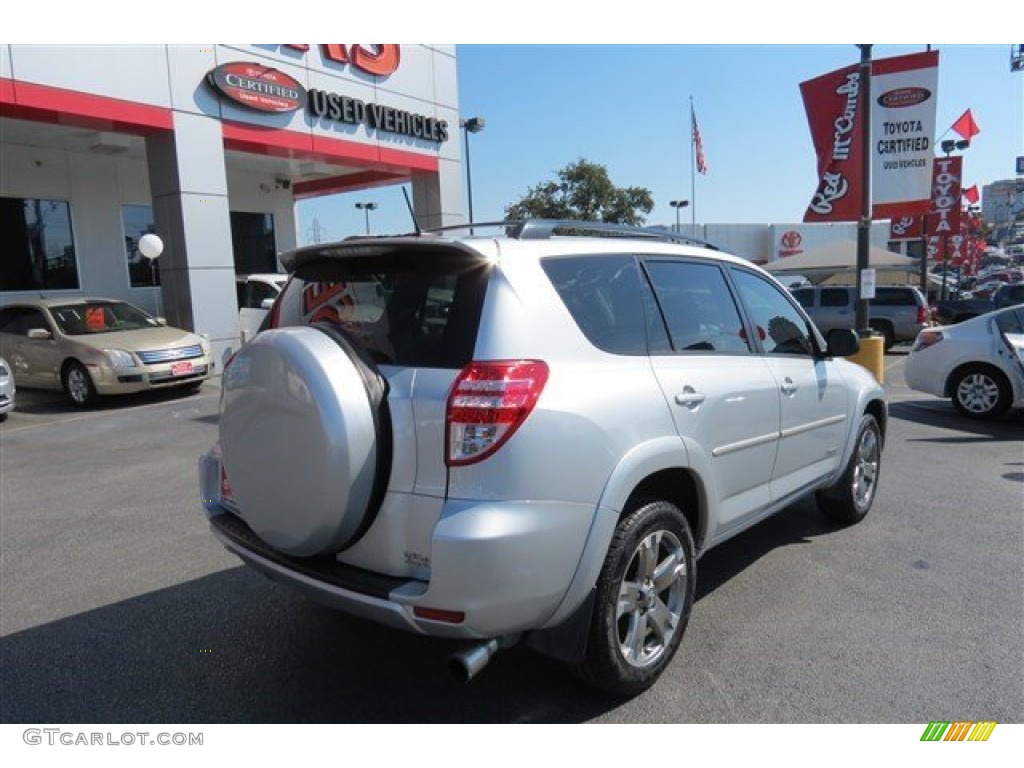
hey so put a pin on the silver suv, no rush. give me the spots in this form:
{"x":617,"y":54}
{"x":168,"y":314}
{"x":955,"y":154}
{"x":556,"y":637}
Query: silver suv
{"x":530,"y":436}
{"x":897,"y":312}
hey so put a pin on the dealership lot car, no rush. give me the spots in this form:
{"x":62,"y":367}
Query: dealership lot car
{"x":7,"y":390}
{"x":93,"y":347}
{"x":531,"y":436}
{"x":256,"y":294}
{"x":978,"y":363}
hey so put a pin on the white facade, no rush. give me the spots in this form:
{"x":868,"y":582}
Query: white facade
{"x":102,"y":127}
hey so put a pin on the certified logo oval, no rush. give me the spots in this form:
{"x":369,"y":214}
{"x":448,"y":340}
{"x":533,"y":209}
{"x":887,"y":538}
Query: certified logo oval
{"x":257,"y":86}
{"x":904,"y":97}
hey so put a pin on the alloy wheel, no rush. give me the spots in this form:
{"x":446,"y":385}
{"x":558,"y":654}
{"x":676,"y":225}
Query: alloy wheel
{"x":652,"y":596}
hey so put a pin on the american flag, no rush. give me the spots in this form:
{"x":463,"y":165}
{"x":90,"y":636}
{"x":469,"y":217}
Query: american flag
{"x":702,"y":166}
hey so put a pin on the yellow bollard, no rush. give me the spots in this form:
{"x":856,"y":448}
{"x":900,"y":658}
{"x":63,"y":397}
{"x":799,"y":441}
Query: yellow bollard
{"x":871,"y":356}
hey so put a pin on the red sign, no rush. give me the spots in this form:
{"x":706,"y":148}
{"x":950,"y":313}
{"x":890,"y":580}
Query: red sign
{"x":790,"y":242}
{"x":257,"y":86}
{"x":944,"y":215}
{"x":833,"y":109}
{"x":906,"y":227}
{"x":904,"y":97}
{"x":380,"y":59}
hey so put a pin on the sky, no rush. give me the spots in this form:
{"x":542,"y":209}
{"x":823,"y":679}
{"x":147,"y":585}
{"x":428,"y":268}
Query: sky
{"x":627,"y":107}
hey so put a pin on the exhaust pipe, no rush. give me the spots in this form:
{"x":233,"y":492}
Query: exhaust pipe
{"x":469,"y":662}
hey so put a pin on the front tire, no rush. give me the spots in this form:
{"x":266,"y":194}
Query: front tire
{"x":849,"y":500}
{"x":644,"y":597}
{"x":981,"y":392}
{"x":78,"y":385}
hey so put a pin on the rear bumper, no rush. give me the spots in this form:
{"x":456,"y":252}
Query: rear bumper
{"x":503,"y":567}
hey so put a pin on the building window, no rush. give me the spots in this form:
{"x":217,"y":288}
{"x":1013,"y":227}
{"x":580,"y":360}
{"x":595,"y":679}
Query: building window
{"x":37,"y":249}
{"x":252,"y":236}
{"x":137,"y":220}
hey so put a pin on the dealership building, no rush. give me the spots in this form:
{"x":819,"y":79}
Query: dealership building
{"x":209,"y":147}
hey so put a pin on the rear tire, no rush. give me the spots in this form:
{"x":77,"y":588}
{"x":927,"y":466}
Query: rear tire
{"x":850,"y":499}
{"x":981,"y":392}
{"x":78,"y":385}
{"x":644,"y":597}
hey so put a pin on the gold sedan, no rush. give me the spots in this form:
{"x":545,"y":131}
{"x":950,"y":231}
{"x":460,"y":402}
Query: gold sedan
{"x":92,"y":347}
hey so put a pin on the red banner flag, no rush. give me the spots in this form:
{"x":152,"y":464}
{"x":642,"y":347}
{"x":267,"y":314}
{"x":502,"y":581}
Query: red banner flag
{"x":966,"y":126}
{"x":944,"y":216}
{"x":971,"y":194}
{"x":833,"y":105}
{"x":910,"y":227}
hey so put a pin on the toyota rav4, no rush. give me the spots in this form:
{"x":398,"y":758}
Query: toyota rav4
{"x":530,"y":436}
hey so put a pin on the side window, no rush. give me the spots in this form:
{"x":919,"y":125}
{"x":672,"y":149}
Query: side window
{"x":603,"y":295}
{"x":893,"y":297}
{"x":805,"y":296}
{"x":835,"y":297}
{"x":1011,"y":322}
{"x":780,"y":326}
{"x":698,"y":307}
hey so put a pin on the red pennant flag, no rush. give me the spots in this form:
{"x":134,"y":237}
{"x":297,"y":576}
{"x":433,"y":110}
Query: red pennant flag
{"x":971,"y":195}
{"x":966,"y":126}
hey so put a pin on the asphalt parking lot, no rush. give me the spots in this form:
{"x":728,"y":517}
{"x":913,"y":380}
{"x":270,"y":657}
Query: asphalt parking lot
{"x":119,"y":607}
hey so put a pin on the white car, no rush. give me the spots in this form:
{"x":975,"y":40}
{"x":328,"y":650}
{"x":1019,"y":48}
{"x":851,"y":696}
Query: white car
{"x":256,"y":294}
{"x":979,"y":363}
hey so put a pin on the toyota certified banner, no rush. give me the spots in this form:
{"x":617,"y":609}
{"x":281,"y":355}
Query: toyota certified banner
{"x":903,"y":92}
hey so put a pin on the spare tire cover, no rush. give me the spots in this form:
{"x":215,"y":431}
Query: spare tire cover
{"x":298,"y":440}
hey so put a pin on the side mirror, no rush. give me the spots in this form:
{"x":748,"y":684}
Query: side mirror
{"x":267,"y":304}
{"x":842,"y":342}
{"x":39,"y":334}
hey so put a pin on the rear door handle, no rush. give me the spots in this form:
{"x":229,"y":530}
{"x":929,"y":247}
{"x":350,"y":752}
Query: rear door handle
{"x":690,"y":397}
{"x":788,"y":387}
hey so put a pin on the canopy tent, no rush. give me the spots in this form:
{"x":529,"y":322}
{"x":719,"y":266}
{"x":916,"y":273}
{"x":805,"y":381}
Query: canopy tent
{"x":819,"y":264}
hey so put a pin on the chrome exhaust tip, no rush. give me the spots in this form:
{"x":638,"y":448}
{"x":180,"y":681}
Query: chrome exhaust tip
{"x":469,"y":662}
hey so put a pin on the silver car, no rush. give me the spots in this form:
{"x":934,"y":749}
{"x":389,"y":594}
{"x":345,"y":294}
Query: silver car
{"x":531,"y":436}
{"x":93,"y":347}
{"x":7,"y":389}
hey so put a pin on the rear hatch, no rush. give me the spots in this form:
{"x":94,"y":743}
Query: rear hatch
{"x":397,"y":316}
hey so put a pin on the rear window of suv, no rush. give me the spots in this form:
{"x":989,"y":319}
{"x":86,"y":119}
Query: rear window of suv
{"x":407,"y":308}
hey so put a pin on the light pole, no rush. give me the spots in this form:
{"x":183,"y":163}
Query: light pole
{"x":366,"y":208}
{"x":468,"y":126}
{"x":677,"y":204}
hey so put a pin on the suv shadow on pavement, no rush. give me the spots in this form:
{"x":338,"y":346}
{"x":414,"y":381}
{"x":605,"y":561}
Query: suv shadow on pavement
{"x":234,"y":648}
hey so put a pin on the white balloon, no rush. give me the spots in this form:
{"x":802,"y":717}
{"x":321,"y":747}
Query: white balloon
{"x":151,"y":246}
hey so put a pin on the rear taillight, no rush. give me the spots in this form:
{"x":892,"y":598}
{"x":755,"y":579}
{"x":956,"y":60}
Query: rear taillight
{"x":225,"y":487}
{"x":922,"y":315}
{"x":926,"y":339}
{"x":487,"y":404}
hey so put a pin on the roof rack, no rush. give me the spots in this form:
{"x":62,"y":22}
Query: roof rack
{"x":545,"y":229}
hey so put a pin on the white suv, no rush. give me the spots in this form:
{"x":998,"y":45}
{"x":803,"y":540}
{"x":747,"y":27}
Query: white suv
{"x":531,"y":436}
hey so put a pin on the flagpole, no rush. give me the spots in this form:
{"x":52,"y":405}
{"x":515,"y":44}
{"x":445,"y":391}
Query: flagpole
{"x":693,"y":175}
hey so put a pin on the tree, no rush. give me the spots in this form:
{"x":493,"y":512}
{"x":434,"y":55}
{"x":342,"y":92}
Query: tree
{"x":583,"y":192}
